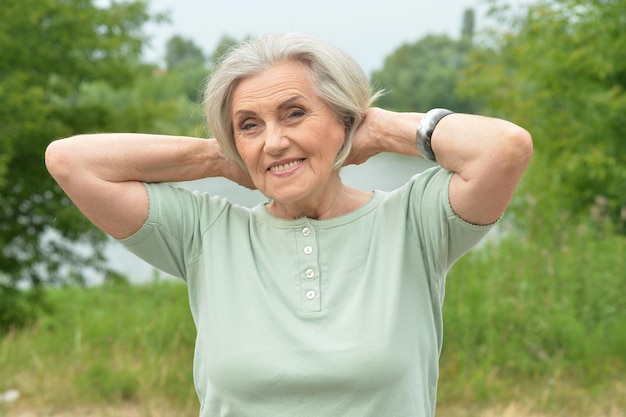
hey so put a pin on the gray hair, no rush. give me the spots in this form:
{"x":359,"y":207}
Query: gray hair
{"x":337,"y":79}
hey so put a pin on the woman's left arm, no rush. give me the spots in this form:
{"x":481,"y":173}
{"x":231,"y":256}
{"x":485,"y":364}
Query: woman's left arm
{"x":487,"y":155}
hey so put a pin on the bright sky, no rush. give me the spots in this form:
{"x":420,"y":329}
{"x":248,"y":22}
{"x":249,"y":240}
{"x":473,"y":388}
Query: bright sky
{"x":368,"y":30}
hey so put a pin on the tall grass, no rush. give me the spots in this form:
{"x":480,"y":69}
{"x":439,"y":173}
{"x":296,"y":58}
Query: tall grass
{"x":541,"y":322}
{"x":106,"y":345}
{"x":522,"y":317}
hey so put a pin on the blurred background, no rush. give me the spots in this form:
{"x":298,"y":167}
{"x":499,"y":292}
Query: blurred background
{"x":535,"y":318}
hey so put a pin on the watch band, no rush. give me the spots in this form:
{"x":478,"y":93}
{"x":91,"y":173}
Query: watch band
{"x":425,"y":131}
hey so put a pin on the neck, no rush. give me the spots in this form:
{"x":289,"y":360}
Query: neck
{"x":336,"y":200}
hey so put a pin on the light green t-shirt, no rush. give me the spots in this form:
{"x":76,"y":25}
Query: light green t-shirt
{"x":308,"y":318}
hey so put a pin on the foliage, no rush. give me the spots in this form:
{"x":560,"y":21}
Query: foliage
{"x":179,"y":50}
{"x":19,"y":308}
{"x":225,"y":44}
{"x":108,"y":384}
{"x":536,"y":311}
{"x":559,"y":68}
{"x":50,"y":51}
{"x":558,"y":304}
{"x":424,"y":74}
{"x":74,"y":68}
{"x":105,"y":345}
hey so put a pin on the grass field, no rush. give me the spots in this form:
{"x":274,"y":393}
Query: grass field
{"x":530,"y":330}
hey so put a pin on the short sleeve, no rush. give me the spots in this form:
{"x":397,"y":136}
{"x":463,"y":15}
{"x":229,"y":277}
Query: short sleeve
{"x":171,"y":236}
{"x":443,"y":236}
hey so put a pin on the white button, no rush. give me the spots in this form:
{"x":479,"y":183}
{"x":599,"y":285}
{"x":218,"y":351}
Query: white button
{"x":306,"y":231}
{"x":310,"y":273}
{"x":308,"y":250}
{"x":310,"y":294}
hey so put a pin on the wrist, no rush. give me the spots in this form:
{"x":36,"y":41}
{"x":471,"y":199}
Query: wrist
{"x":375,"y":124}
{"x":399,"y":134}
{"x":217,"y":164}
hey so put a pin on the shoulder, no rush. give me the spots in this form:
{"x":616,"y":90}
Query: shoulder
{"x":428,"y":189}
{"x":168,"y":196}
{"x":180,"y":209}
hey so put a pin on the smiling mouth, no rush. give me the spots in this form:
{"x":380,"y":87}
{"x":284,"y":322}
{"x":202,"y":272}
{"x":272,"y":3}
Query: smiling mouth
{"x":286,"y":167}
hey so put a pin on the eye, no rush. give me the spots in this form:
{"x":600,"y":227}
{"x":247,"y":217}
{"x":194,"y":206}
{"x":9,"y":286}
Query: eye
{"x":296,"y":113}
{"x":247,"y":124}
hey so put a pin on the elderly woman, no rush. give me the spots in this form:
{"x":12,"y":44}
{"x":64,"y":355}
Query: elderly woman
{"x":326,"y":300}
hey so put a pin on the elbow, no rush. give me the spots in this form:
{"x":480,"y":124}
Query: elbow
{"x":517,"y":148}
{"x":57,"y":161}
{"x":525,"y":143}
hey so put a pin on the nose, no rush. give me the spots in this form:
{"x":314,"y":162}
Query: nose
{"x":275,"y":140}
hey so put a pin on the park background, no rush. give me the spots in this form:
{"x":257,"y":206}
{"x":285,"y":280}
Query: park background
{"x":535,"y":319}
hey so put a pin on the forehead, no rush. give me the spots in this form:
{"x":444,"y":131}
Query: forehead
{"x":278,"y":83}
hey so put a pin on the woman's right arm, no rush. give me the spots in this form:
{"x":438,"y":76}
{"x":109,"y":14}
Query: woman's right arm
{"x":103,"y":173}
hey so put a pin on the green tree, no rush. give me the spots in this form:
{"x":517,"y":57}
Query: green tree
{"x":225,"y":44}
{"x":179,"y":50}
{"x":186,"y":67}
{"x":51,"y":51}
{"x":469,"y":24}
{"x":559,"y":68}
{"x":424,"y":74}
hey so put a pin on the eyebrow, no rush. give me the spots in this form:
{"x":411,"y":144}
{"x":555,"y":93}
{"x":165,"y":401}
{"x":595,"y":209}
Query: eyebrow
{"x":281,"y":106}
{"x":288,"y":102}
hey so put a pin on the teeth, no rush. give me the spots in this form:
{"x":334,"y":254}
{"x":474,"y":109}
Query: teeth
{"x":285,"y":167}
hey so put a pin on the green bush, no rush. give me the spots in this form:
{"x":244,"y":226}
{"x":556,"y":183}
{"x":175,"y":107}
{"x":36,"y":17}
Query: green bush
{"x":538,"y":310}
{"x":18,"y":308}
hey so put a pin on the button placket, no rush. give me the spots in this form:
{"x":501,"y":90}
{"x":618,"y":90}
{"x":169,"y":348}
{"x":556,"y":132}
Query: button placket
{"x":310,"y":287}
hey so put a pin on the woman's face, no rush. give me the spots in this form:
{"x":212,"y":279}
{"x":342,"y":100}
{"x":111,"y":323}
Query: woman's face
{"x":287,"y":136}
